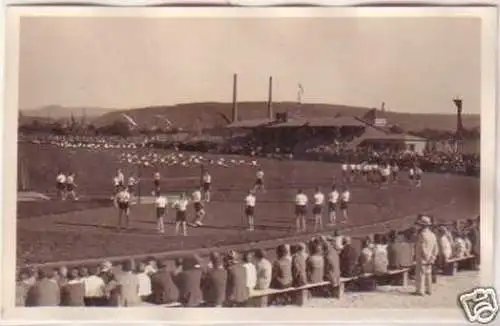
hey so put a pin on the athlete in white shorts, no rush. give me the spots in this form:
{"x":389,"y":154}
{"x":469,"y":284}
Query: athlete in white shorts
{"x":122,"y":202}
{"x":345,"y":197}
{"x":319,"y":200}
{"x":301,"y":210}
{"x":207,"y":184}
{"x":333,"y":198}
{"x":161,"y":203}
{"x":198,"y":207}
{"x":61,"y":186}
{"x":250,"y":210}
{"x":181,"y":214}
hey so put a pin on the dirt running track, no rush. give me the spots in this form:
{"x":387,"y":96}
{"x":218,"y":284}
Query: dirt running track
{"x":74,"y":232}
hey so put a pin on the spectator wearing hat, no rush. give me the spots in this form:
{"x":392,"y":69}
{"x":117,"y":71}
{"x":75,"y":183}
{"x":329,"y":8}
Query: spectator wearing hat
{"x":94,"y":288}
{"x":190,"y":294}
{"x":45,"y":292}
{"x":163,"y":288}
{"x":426,"y":251}
{"x":299,"y":269}
{"x":315,"y":264}
{"x":399,"y":252}
{"x":129,"y":284}
{"x":214,"y":282}
{"x":237,"y":293}
{"x":282,"y":269}
{"x":73,"y":291}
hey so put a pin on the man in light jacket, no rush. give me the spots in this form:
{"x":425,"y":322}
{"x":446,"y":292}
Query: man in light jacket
{"x":426,"y":252}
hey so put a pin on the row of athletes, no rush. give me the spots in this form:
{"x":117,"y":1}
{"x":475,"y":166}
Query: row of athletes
{"x":382,"y":173}
{"x":132,"y":182}
{"x":336,"y":201}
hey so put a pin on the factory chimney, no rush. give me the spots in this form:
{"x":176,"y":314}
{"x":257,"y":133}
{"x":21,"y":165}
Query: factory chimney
{"x":270,"y":100}
{"x":235,"y":98}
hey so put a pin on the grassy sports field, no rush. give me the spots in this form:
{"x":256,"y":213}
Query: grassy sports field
{"x":52,"y":231}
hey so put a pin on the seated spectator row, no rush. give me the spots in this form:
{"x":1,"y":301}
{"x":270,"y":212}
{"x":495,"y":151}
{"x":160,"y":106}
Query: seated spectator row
{"x":228,"y":280}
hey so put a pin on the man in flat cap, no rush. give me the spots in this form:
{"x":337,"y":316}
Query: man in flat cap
{"x":426,"y":252}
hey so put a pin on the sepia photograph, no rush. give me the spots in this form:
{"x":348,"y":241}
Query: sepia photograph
{"x":229,"y":158}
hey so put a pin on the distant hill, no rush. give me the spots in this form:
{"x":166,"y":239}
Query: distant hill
{"x":60,"y":112}
{"x":196,"y":116}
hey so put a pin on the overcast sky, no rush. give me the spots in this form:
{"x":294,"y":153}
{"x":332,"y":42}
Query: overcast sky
{"x":413,"y":64}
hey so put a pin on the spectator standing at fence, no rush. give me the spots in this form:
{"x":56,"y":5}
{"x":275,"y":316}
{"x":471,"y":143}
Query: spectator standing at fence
{"x":94,"y":288}
{"x":105,"y":271}
{"x":299,"y":265}
{"x":207,"y":185}
{"x":198,"y":207}
{"x":163,"y":288}
{"x":190,"y":294}
{"x":332,"y":263}
{"x":250,"y":201}
{"x":300,"y":210}
{"x":61,"y":186}
{"x":472,"y":230}
{"x":144,"y":282}
{"x":366,"y":256}
{"x":181,"y":211}
{"x":426,"y":251}
{"x":345,"y":198}
{"x":349,"y":258}
{"x":338,"y":240}
{"x":45,"y":292}
{"x":22,"y":287}
{"x":214,"y":282}
{"x":151,"y":265}
{"x":319,"y":201}
{"x":237,"y":293}
{"x":282,"y":269}
{"x":264,"y":270}
{"x":122,"y":202}
{"x":161,"y":203}
{"x":380,"y":256}
{"x":333,"y":198}
{"x":62,"y":275}
{"x":73,"y":291}
{"x":251,"y":270}
{"x":129,"y":284}
{"x":445,"y":246}
{"x":399,"y":251}
{"x":315,"y":264}
{"x":459,"y":245}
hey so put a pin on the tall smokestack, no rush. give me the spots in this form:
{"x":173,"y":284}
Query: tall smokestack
{"x":270,"y":100}
{"x":235,"y":98}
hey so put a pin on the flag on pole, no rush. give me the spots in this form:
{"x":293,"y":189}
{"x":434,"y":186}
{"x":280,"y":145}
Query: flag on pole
{"x":130,"y":120}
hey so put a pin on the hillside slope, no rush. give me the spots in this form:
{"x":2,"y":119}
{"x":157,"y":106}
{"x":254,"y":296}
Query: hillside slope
{"x":195,"y":116}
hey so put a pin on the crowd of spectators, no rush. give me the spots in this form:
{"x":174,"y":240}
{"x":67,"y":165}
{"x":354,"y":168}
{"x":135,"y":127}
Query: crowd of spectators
{"x":229,"y":279}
